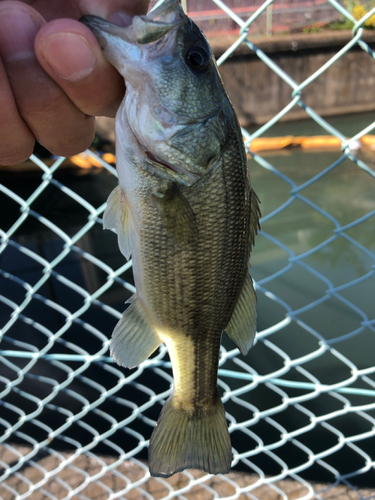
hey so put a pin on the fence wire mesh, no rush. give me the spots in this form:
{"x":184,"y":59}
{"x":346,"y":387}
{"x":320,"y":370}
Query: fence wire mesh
{"x":281,"y":15}
{"x":300,"y":406}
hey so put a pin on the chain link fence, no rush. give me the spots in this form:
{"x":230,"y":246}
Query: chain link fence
{"x":300,"y":405}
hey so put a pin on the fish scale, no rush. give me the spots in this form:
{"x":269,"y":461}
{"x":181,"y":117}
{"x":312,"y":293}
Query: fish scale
{"x":185,"y":210}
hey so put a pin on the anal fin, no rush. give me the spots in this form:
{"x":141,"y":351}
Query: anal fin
{"x":117,"y":216}
{"x":241,"y":327}
{"x":133,"y":339}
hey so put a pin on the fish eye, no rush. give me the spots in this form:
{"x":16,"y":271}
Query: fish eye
{"x":197,"y":58}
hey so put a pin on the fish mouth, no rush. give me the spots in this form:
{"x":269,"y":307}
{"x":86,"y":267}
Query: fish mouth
{"x":158,"y":22}
{"x":168,"y":8}
{"x":143,"y":30}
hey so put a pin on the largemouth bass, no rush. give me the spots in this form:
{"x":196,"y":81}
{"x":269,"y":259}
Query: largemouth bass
{"x":185,"y":211}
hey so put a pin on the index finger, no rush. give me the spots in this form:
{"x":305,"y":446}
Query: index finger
{"x":17,"y":141}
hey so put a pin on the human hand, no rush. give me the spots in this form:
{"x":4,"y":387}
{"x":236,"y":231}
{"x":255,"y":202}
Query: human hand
{"x":54,"y":78}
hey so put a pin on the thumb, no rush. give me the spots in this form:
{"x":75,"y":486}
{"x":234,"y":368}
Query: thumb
{"x":70,"y":54}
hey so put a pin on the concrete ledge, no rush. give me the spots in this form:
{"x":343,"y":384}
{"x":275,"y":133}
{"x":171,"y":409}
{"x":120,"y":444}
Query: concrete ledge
{"x":292,"y":42}
{"x":258,"y":93}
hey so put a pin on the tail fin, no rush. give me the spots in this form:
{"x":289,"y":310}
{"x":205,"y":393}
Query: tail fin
{"x":183,"y":440}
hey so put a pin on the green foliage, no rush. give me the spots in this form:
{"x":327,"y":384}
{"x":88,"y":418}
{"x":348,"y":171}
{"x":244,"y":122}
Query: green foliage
{"x":357,"y":9}
{"x":313,"y":28}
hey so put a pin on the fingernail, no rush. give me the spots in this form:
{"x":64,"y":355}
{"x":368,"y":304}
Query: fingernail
{"x":121,"y":19}
{"x":68,"y":54}
{"x":17,"y":32}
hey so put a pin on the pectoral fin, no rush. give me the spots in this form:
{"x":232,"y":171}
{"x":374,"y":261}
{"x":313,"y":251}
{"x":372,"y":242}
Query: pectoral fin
{"x":133,"y":339}
{"x":241,"y":328}
{"x":177,"y":216}
{"x":117,"y":216}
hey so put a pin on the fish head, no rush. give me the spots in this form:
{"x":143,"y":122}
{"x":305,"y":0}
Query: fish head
{"x":175,"y":102}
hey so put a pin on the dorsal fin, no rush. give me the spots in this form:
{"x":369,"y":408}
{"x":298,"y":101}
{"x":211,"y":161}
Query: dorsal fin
{"x":255,"y":215}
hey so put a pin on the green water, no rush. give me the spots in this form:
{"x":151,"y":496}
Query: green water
{"x":307,"y":226}
{"x":348,"y":125}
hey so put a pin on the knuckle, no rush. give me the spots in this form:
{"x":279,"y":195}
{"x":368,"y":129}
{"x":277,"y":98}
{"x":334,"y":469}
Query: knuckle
{"x":71,"y":140}
{"x":13,"y":156}
{"x":43,"y":105}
